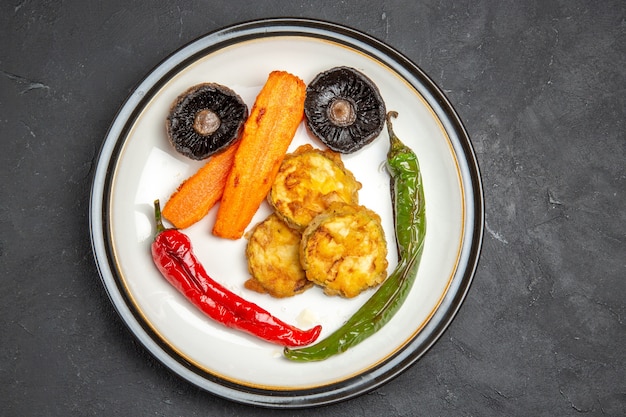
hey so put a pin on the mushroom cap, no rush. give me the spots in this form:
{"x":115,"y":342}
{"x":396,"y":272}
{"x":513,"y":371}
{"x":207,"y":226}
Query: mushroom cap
{"x":344,"y":109}
{"x":205,"y":119}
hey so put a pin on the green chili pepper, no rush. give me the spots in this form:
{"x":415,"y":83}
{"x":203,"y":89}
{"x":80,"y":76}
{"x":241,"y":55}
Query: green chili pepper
{"x":410,"y":228}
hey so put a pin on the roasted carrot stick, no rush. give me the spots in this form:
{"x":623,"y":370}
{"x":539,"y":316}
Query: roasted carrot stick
{"x":198,"y":194}
{"x":267,"y":133}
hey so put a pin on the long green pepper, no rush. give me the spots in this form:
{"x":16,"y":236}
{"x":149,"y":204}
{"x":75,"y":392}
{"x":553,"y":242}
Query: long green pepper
{"x":410,"y":227}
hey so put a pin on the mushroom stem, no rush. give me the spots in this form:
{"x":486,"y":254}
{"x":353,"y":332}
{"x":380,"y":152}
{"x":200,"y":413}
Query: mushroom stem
{"x":206,"y":122}
{"x":341,"y":112}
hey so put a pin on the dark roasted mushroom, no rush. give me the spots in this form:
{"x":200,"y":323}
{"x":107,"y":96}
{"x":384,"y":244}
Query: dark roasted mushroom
{"x":344,"y":109}
{"x":205,"y":119}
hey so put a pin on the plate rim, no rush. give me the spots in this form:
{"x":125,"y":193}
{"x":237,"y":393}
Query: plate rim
{"x":101,"y":243}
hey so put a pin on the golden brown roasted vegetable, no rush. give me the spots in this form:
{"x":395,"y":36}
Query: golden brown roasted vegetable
{"x":274,"y":259}
{"x":344,"y":250}
{"x":308,"y":181}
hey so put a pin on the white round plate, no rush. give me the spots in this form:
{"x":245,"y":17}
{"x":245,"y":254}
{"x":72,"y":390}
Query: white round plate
{"x":137,"y":165}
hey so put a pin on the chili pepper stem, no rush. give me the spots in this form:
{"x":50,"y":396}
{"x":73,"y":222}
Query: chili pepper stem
{"x":157,"y":216}
{"x":395,"y":144}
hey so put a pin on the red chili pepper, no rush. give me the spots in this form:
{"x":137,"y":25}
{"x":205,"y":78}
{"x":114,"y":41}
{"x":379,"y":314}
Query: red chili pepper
{"x":173,"y":255}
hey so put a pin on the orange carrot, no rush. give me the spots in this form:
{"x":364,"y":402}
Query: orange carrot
{"x":267,"y":133}
{"x":195,"y":196}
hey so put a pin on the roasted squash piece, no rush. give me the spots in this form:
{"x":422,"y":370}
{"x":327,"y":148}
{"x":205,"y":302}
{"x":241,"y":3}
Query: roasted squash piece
{"x":308,"y":181}
{"x":274,"y":259}
{"x":344,"y":250}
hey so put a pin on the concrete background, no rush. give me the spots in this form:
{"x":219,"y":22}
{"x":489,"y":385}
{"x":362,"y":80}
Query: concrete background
{"x":540,"y":86}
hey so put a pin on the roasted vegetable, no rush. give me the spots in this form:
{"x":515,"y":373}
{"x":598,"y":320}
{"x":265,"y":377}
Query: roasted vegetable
{"x":344,"y":250}
{"x":410,"y":227}
{"x":308,"y":181}
{"x":267,"y":134}
{"x":273,"y":253}
{"x":344,"y":109}
{"x":205,"y":119}
{"x":174,"y":258}
{"x":198,"y":194}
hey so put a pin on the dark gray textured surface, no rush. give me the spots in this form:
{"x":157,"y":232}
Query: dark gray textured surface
{"x":540,"y":86}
